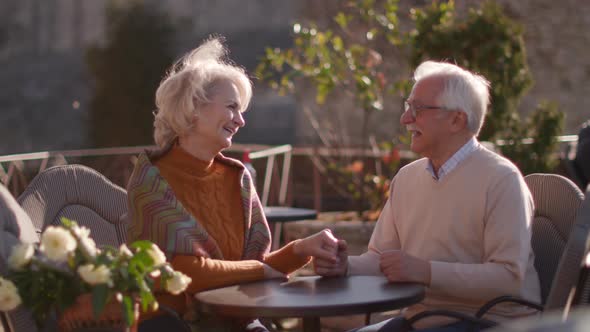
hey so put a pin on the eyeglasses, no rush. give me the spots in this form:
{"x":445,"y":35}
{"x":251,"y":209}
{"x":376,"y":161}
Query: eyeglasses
{"x":415,"y":108}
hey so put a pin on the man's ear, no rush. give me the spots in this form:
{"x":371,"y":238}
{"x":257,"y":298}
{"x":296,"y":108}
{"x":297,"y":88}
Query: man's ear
{"x":459,"y":121}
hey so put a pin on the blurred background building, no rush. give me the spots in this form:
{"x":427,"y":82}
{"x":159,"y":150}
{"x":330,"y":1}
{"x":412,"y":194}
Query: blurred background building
{"x":46,"y":86}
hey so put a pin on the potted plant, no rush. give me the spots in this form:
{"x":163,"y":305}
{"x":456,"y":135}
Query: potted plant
{"x":86,"y":286}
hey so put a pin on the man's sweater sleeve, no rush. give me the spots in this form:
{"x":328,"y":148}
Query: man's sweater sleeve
{"x":507,"y":246}
{"x":384,"y":237}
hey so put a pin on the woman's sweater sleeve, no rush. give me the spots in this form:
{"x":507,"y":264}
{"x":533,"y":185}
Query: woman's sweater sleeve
{"x":209,"y":273}
{"x":285,"y":260}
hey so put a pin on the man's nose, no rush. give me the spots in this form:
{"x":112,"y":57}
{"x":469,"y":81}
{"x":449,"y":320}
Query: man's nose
{"x":406,"y":117}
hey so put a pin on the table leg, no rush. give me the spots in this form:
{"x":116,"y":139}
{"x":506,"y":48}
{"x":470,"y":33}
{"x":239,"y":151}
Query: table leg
{"x":311,"y":324}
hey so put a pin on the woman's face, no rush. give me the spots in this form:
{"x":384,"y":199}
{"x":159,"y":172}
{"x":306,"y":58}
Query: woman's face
{"x":218,"y":121}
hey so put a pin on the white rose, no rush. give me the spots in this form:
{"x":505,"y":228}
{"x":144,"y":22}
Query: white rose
{"x":57,"y":243}
{"x":124,"y":250}
{"x":157,"y":255}
{"x":178,"y":283}
{"x":95,"y":275}
{"x":21,"y":255}
{"x":81,"y":232}
{"x":89,"y":246}
{"x":9,"y":298}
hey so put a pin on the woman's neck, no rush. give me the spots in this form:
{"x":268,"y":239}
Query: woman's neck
{"x":199,"y":151}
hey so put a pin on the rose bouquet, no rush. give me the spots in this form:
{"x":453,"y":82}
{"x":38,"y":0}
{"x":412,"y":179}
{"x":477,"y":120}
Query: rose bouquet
{"x":50,"y":276}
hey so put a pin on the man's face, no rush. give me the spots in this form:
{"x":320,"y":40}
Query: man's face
{"x":429,"y":127}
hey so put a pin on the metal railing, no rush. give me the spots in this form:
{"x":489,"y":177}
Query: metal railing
{"x":12,"y":167}
{"x":15,"y":162}
{"x":271,"y":155}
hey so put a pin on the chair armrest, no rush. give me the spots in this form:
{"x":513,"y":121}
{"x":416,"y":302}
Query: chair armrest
{"x":490,"y":304}
{"x":483,"y":323}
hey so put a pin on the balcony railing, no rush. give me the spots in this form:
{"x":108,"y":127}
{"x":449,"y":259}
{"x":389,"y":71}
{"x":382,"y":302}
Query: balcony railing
{"x":17,"y":170}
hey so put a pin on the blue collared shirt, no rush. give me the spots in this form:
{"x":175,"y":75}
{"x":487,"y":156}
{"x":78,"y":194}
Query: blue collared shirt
{"x":454,"y":161}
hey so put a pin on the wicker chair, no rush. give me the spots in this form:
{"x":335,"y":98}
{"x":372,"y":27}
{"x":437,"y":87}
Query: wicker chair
{"x":15,"y":227}
{"x":573,"y":269}
{"x":84,"y":195}
{"x":558,"y":241}
{"x":81,"y":194}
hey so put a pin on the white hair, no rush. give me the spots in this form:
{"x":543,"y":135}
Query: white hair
{"x":191,"y":83}
{"x":462,"y":90}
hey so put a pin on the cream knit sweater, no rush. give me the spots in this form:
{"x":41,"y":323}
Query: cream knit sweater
{"x":473,"y":226}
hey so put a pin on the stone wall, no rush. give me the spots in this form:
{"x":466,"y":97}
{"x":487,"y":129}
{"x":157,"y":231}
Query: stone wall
{"x":558,"y":42}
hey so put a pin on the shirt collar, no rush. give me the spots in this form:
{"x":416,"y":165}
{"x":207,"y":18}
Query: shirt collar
{"x":454,"y":161}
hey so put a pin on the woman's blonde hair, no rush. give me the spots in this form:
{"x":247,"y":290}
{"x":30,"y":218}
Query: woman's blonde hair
{"x":189,"y":84}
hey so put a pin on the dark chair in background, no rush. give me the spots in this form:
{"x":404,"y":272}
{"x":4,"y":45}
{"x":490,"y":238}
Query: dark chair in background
{"x":578,"y":165}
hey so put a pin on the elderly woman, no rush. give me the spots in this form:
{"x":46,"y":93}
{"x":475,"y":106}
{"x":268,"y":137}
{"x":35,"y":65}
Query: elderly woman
{"x":198,"y":206}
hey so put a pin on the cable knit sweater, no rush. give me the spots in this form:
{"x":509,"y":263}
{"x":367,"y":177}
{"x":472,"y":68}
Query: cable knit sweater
{"x":473,"y":226}
{"x":213,"y":196}
{"x":211,"y":193}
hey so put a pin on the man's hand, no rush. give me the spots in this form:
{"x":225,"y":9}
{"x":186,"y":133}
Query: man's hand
{"x":396,"y":265}
{"x":330,"y":268}
{"x":321,"y":245}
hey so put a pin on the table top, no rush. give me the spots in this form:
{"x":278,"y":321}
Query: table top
{"x":283,"y":213}
{"x":309,"y":296}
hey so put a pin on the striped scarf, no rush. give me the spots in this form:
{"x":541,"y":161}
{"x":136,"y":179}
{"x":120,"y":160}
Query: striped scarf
{"x":158,"y":216}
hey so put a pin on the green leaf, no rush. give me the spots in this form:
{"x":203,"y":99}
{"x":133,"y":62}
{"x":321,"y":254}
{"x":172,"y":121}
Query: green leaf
{"x":142,"y":244}
{"x":147,"y":298}
{"x":337,"y":43}
{"x":128,"y":313}
{"x":342,"y":20}
{"x":100,"y":295}
{"x":68,"y":223}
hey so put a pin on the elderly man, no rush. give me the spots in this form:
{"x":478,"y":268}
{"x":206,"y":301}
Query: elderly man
{"x":458,"y":220}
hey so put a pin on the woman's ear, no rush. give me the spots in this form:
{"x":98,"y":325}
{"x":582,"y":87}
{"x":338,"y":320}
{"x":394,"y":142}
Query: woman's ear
{"x":194,"y":118}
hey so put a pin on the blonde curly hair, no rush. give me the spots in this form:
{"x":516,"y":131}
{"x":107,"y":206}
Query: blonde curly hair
{"x":189,"y":84}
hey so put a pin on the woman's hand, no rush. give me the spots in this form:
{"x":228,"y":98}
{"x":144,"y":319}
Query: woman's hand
{"x":322,"y":245}
{"x":270,"y":273}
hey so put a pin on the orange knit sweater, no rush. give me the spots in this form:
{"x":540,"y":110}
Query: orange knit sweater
{"x":211,"y":193}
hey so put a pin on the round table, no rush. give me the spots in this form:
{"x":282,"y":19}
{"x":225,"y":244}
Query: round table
{"x":280,"y":214}
{"x":310,"y":298}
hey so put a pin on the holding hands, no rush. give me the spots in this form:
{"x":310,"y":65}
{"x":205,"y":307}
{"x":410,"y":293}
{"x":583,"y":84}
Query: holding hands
{"x":321,"y":245}
{"x":396,"y":265}
{"x":332,"y":268}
